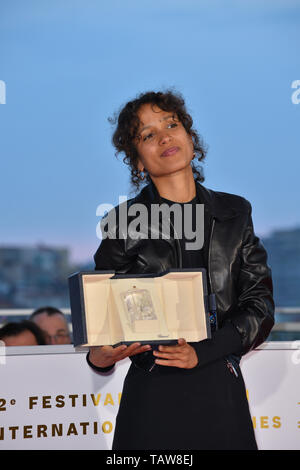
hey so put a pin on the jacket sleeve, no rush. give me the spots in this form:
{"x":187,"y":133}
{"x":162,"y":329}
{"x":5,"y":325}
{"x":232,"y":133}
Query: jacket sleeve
{"x":254,"y":316}
{"x":111,"y":255}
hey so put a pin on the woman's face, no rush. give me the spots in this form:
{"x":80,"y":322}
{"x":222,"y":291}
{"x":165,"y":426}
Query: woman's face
{"x":163,"y":145}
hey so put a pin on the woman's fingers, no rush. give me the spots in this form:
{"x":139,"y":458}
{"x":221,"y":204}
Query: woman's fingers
{"x":104,"y":356}
{"x":174,"y":349}
{"x":181,"y":355}
{"x":141,"y":349}
{"x":170,"y":363}
{"x":131,"y":350}
{"x":168,"y":355}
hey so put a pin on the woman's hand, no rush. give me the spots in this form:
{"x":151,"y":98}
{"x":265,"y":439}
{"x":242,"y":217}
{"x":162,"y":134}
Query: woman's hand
{"x":105,"y":356}
{"x":181,"y":355}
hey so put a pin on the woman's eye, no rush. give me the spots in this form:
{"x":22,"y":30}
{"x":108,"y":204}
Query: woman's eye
{"x":148,"y":136}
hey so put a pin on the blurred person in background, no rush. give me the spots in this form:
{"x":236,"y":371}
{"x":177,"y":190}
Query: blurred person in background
{"x":24,"y":333}
{"x":53,"y":323}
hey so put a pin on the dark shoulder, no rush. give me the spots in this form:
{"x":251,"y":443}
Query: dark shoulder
{"x":234,"y":200}
{"x":223,"y":204}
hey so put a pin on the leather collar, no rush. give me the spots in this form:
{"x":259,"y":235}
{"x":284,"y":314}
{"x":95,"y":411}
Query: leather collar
{"x":214,"y":202}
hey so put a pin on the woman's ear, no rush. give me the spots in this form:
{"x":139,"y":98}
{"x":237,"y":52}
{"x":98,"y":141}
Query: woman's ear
{"x":140,"y":166}
{"x":192,"y":146}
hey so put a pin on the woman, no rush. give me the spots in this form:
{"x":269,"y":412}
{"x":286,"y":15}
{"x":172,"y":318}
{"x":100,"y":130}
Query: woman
{"x":188,"y":395}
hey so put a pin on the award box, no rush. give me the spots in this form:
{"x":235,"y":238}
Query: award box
{"x":109,"y":309}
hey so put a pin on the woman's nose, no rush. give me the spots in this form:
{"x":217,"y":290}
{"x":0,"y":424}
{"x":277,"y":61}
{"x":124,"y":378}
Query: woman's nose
{"x":164,"y":137}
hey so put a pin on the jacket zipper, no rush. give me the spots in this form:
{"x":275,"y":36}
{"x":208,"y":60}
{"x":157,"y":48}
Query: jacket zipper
{"x":213,"y":319}
{"x":178,"y":250}
{"x":178,"y":246}
{"x":231,"y":368}
{"x":209,"y":251}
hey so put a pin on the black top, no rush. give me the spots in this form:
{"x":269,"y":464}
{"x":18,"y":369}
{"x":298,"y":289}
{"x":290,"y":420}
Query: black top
{"x":190,"y":258}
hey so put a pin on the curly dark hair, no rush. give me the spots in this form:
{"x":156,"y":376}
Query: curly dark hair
{"x":128,"y":123}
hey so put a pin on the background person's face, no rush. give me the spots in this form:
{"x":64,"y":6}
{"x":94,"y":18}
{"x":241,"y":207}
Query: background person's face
{"x":54,"y":327}
{"x":26,"y":338}
{"x":163,"y":145}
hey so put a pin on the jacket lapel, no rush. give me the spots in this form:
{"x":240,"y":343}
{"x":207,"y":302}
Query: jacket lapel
{"x":214,"y":204}
{"x":215,"y":207}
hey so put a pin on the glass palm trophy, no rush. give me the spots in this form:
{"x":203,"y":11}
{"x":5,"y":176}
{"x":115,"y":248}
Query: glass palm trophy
{"x":140,"y":313}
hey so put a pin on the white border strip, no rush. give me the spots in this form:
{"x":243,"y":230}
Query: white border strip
{"x":69,"y":348}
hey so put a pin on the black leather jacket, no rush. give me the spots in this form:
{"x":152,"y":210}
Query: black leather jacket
{"x":236,"y":260}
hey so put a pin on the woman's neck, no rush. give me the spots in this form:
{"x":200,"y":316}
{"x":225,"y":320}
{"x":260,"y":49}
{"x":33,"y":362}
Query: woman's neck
{"x":177,"y":187}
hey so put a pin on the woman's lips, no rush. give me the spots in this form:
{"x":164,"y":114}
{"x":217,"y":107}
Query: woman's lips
{"x":170,"y":151}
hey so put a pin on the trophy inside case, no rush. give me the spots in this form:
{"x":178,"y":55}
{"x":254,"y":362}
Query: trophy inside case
{"x":139,"y":310}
